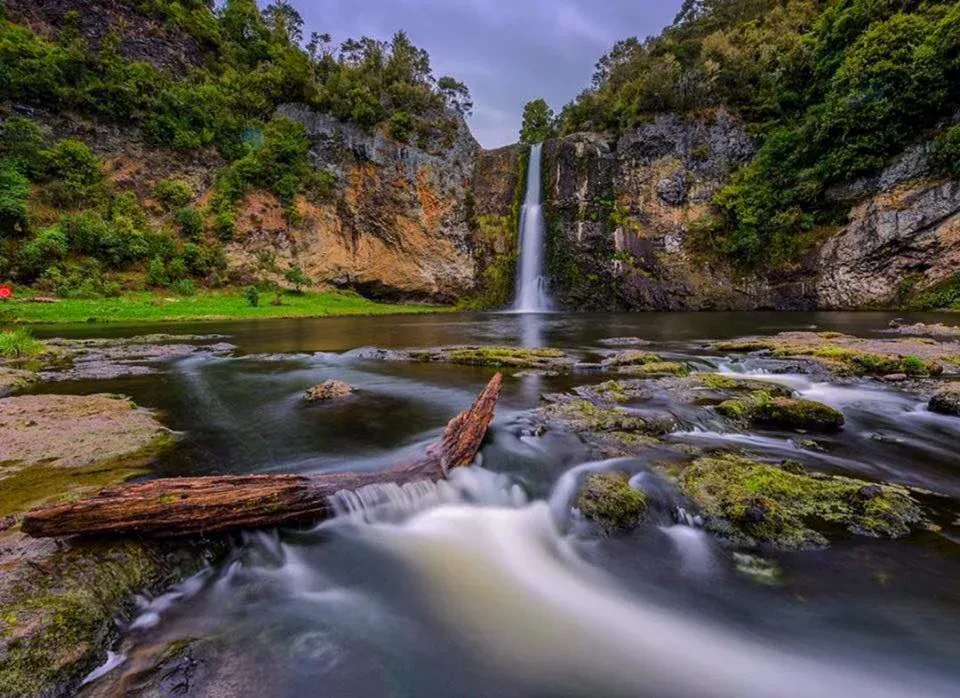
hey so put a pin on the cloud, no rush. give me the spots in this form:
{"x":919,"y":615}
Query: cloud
{"x":507,"y":51}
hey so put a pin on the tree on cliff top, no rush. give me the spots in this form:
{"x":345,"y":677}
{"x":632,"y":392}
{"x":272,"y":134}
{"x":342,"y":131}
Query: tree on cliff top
{"x":538,"y":122}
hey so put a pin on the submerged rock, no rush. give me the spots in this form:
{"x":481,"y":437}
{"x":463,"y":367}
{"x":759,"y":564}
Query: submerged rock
{"x":328,"y":390}
{"x":756,"y":568}
{"x":753,"y":502}
{"x":947,"y":401}
{"x":624,"y":342}
{"x":762,"y":409}
{"x":59,"y":598}
{"x":610,"y":501}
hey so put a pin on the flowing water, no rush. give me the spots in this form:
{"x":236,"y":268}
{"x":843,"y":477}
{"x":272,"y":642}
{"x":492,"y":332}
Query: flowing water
{"x":531,"y":294}
{"x":490,"y":584}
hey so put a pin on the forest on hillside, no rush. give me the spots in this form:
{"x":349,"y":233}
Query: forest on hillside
{"x":66,"y":229}
{"x":833,"y":89}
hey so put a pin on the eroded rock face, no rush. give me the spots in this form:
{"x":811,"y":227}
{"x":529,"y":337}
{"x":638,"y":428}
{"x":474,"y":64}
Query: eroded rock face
{"x":397,"y":226}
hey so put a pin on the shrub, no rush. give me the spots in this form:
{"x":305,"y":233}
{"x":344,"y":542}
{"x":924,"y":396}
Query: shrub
{"x":399,"y":126}
{"x":14,"y":190}
{"x":45,"y":247}
{"x":252,"y":294}
{"x":18,"y":344}
{"x":295,"y":276}
{"x":76,"y":175}
{"x":224,"y":225}
{"x":184,"y":287}
{"x":173,"y":193}
{"x":22,"y":142}
{"x":190,"y":221}
{"x":945,"y":154}
{"x":157,"y":273}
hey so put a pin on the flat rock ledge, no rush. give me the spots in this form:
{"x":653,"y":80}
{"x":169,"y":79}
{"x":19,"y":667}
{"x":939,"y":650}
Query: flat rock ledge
{"x":59,"y":597}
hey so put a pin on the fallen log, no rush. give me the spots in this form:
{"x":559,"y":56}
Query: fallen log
{"x":192,"y":506}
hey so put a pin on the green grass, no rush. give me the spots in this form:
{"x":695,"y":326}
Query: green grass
{"x":19,"y":344}
{"x":220,"y":305}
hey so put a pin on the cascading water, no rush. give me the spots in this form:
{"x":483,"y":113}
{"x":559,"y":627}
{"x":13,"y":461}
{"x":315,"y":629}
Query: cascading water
{"x":531,"y":294}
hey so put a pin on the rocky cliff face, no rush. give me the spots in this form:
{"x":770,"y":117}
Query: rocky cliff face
{"x":622,"y":231}
{"x":397,"y":226}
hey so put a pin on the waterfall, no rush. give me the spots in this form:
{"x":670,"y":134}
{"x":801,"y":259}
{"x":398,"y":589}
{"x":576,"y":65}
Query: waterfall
{"x":531,"y":294}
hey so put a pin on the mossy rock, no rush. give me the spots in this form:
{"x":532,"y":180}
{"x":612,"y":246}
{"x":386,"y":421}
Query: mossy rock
{"x":632,"y":357}
{"x":608,"y":500}
{"x":583,"y":415}
{"x":756,"y":502}
{"x":762,"y":409}
{"x":744,"y":346}
{"x":730,"y":384}
{"x":13,"y":380}
{"x":656,"y":369}
{"x":497,"y":357}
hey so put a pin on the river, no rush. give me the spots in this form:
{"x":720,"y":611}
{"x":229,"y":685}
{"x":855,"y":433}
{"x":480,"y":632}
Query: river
{"x":489,"y":585}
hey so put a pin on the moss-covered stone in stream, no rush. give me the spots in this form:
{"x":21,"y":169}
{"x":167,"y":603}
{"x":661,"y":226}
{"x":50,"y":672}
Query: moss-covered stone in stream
{"x":852,"y":356}
{"x":13,"y":380}
{"x":632,"y":357}
{"x":656,"y":369}
{"x":755,"y":502}
{"x":498,"y":357}
{"x":947,"y":401}
{"x":730,"y":384}
{"x":610,"y":501}
{"x":761,"y":409}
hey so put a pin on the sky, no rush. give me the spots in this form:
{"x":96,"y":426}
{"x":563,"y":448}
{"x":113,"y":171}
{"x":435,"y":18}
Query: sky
{"x":506,"y":51}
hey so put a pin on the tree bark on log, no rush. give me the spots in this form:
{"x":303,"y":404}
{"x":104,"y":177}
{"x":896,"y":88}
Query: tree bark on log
{"x":192,"y":506}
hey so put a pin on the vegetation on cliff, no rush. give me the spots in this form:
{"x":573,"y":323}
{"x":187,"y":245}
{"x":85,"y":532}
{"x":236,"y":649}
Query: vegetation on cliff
{"x":833,"y":89}
{"x":69,"y":229}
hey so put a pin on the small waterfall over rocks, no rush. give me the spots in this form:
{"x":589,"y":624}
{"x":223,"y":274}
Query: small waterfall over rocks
{"x":531,"y":293}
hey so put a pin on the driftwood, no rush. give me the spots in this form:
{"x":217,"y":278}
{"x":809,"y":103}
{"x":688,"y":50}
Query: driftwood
{"x":191,"y":506}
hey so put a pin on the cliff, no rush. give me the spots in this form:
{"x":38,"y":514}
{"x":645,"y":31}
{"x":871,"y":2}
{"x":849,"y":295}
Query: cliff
{"x":625,"y":230}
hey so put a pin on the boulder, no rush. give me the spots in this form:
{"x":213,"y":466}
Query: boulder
{"x":947,"y":401}
{"x":610,"y":501}
{"x":762,"y":409}
{"x":328,"y":390}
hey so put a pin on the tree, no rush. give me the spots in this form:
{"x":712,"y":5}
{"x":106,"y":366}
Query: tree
{"x":538,"y":122}
{"x":456,"y":95}
{"x":283,"y":18}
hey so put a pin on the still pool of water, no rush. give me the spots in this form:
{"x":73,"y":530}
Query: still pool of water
{"x":491,"y":585}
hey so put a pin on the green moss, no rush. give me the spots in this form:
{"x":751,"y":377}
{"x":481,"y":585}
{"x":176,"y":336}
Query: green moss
{"x":504,"y":357}
{"x":760,"y":408}
{"x":793,"y":510}
{"x":657,"y":369}
{"x":744,"y":346}
{"x":607,"y":422}
{"x":632,"y":357}
{"x":854,"y":362}
{"x":610,"y":501}
{"x":25,"y":486}
{"x":738,"y":385}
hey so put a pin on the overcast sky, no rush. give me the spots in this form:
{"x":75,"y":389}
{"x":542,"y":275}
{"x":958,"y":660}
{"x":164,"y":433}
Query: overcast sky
{"x":507,"y":51}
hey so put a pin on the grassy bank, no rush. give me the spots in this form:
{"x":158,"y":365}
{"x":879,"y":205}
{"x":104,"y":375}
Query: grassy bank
{"x":226,"y":305}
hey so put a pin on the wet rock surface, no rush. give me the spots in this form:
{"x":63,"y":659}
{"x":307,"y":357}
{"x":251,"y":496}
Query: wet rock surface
{"x":947,"y":401}
{"x":610,"y":501}
{"x":494,"y":356}
{"x":328,"y":390}
{"x":762,"y":409}
{"x":751,"y":502}
{"x":59,"y":598}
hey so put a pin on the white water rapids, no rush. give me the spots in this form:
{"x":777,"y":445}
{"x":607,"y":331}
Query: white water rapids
{"x":504,"y":578}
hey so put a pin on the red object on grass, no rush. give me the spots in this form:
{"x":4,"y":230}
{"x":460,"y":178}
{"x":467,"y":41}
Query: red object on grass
{"x":6,"y":292}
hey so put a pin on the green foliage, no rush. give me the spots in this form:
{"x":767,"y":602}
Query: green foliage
{"x":539,"y":122}
{"x":280,"y":163}
{"x":14,"y":190}
{"x":399,"y":126}
{"x":46,"y":246}
{"x":190,"y":221}
{"x":834,"y":90}
{"x":19,"y":344}
{"x":295,"y":276}
{"x":157,"y":273}
{"x":173,"y":193}
{"x":252,"y":294}
{"x":75,"y":174}
{"x":946,"y":153}
{"x":184,"y":287}
{"x":22,"y":143}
